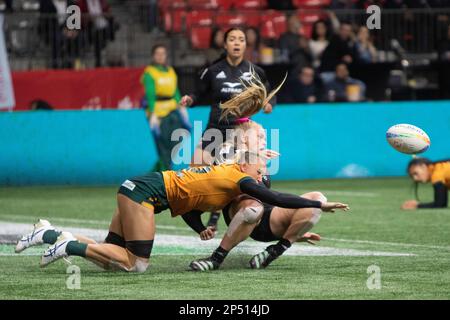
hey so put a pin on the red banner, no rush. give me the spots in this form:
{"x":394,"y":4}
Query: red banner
{"x":104,"y":88}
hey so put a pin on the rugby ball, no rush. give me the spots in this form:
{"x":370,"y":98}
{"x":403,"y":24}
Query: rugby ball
{"x":408,"y":139}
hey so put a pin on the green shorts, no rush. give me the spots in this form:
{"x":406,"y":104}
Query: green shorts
{"x":148,"y":190}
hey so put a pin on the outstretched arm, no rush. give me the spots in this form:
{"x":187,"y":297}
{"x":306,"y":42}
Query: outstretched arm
{"x":284,"y":200}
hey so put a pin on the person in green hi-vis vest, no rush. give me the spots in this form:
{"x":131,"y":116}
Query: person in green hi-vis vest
{"x":163,"y":111}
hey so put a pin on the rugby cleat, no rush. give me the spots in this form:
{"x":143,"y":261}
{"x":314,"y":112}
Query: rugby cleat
{"x":35,"y":237}
{"x":263,"y":259}
{"x":204,"y":264}
{"x":58,"y":250}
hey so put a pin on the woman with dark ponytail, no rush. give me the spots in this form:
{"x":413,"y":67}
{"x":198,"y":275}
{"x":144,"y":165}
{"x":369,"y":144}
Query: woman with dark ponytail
{"x":422,"y":170}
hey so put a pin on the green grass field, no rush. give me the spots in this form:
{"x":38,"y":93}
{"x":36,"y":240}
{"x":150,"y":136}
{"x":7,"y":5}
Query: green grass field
{"x":412,"y":250}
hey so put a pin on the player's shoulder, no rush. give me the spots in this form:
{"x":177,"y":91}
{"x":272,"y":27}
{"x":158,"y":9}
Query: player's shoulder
{"x":217,"y":66}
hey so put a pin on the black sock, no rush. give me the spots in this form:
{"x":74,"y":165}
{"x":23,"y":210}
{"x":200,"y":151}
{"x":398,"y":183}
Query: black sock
{"x":76,"y":248}
{"x":279,"y":248}
{"x":50,"y":236}
{"x":219,"y":255}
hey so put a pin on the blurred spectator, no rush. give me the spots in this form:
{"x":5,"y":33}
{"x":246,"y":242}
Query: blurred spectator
{"x":40,"y":105}
{"x":302,"y":87}
{"x":253,"y":45}
{"x":343,"y":88}
{"x":290,"y":40}
{"x":216,"y":43}
{"x":9,"y":7}
{"x":301,"y":57}
{"x":99,"y":23}
{"x":339,"y":50}
{"x":319,"y":41}
{"x":342,"y":4}
{"x":444,"y":47}
{"x":365,"y":51}
{"x":65,"y":44}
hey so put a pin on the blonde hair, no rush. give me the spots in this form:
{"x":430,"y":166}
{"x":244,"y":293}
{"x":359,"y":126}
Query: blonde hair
{"x":251,"y":100}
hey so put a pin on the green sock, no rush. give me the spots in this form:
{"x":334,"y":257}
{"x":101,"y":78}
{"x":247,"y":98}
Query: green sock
{"x":75,"y":248}
{"x":50,"y":236}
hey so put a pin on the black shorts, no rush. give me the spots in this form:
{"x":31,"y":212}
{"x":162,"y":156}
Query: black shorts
{"x":262,"y":231}
{"x":147,"y":190}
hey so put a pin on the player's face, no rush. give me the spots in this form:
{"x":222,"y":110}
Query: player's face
{"x":160,"y":56}
{"x":255,"y":138}
{"x":235,"y":44}
{"x":419,"y":173}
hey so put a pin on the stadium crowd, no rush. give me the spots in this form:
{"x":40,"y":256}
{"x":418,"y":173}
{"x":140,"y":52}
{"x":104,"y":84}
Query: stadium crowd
{"x":325,"y":47}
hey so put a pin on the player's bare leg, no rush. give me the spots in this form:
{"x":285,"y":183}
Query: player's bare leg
{"x":290,"y":225}
{"x":245,"y":215}
{"x":138,"y":229}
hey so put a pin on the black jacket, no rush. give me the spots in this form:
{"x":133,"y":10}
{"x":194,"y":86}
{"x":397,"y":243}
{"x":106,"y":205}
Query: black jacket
{"x":220,"y":82}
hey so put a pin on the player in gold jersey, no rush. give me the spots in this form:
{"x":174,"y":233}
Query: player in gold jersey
{"x":187,"y":193}
{"x":422,"y":170}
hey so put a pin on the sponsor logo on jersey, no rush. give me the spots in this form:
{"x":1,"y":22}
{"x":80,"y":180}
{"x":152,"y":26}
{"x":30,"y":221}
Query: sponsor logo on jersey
{"x":221,"y":75}
{"x":231,"y":87}
{"x":246,"y":76}
{"x":129,"y":185}
{"x":232,"y":84}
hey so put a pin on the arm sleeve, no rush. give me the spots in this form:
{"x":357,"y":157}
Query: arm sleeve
{"x":150,"y":93}
{"x":193,"y":220}
{"x":284,"y":200}
{"x":440,"y":197}
{"x":203,"y":87}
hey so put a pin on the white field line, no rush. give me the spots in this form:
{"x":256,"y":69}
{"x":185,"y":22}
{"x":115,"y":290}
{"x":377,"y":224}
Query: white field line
{"x":196,"y":246}
{"x":175,"y":228}
{"x":33,"y":219}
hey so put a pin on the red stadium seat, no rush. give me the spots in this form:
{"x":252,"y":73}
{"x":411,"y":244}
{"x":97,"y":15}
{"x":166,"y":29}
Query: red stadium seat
{"x":173,"y":20}
{"x":199,"y":18}
{"x":308,"y":18}
{"x":273,"y":24}
{"x":200,"y":37}
{"x":225,"y":4}
{"x":203,"y":4}
{"x":250,"y":4}
{"x":174,"y":4}
{"x":311,"y":4}
{"x":252,"y":18}
{"x":226,"y":20}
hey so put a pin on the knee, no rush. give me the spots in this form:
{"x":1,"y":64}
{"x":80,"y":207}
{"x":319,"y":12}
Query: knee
{"x":318,"y":196}
{"x":252,"y":214}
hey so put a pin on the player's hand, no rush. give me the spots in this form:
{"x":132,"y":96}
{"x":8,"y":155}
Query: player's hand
{"x":207,"y":234}
{"x":268,"y":108}
{"x":186,"y":101}
{"x":310,"y":237}
{"x":410,"y":205}
{"x":331,"y":206}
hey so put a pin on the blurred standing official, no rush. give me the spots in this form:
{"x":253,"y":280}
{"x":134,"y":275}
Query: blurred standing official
{"x":164,"y":115}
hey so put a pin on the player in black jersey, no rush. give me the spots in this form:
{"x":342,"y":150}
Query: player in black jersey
{"x":220,"y":82}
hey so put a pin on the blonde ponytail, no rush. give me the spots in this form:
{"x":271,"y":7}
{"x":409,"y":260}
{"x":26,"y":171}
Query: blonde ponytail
{"x":251,"y":100}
